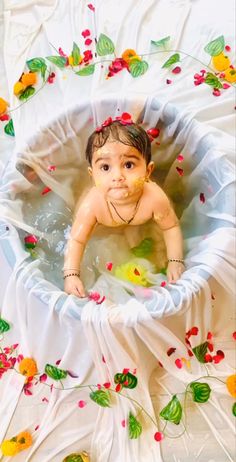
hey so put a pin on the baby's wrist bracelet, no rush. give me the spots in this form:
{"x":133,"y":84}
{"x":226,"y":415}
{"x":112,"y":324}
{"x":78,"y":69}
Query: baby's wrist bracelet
{"x":176,"y":260}
{"x":71,"y":274}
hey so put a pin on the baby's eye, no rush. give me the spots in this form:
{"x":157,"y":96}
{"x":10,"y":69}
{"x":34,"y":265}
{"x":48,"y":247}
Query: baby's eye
{"x":105,"y":167}
{"x":129,"y":164}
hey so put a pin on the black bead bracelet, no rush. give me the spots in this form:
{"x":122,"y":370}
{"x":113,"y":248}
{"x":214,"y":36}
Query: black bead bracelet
{"x":71,"y":274}
{"x":175,"y":260}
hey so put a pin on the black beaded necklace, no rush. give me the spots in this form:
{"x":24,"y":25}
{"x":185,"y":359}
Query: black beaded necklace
{"x":123,"y":219}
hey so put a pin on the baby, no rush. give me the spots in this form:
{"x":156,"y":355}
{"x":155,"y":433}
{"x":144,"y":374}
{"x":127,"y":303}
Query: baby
{"x":119,"y":156}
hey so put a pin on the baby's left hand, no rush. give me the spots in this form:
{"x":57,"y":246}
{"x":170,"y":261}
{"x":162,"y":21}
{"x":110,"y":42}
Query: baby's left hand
{"x":174,"y":271}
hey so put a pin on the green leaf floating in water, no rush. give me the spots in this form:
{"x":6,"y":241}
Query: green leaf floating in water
{"x":212,"y":80}
{"x":9,"y":128}
{"x":200,"y":352}
{"x":138,"y":67}
{"x":104,"y":45}
{"x":144,"y":249}
{"x":36,"y":65}
{"x":127,"y":380}
{"x":101,"y":397}
{"x":55,"y":373}
{"x":215,"y":47}
{"x":59,"y":61}
{"x":172,"y":60}
{"x":161,"y":43}
{"x":87,"y":70}
{"x":173,"y":411}
{"x":135,"y":427}
{"x":201,"y":392}
{"x":4,"y":326}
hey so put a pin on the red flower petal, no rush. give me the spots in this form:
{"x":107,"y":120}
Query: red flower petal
{"x":125,"y":371}
{"x":154,"y":132}
{"x":36,"y":428}
{"x":180,"y":158}
{"x":168,"y":81}
{"x":123,"y":423}
{"x":210,"y":347}
{"x":136,"y":272}
{"x":107,"y":385}
{"x":61,"y":53}
{"x":179,"y":363}
{"x":45,"y":400}
{"x":208,"y":358}
{"x":81,"y":403}
{"x":190,"y":353}
{"x":209,"y":335}
{"x":171,"y":351}
{"x":217,"y":359}
{"x":180,"y":171}
{"x":109,"y":266}
{"x":176,"y":70}
{"x":103,"y":359}
{"x":234,"y":335}
{"x":4,"y":117}
{"x":51,"y":168}
{"x":86,"y":33}
{"x":88,"y":42}
{"x":158,"y":436}
{"x":163,"y":283}
{"x":118,"y":387}
{"x":202,"y":198}
{"x":216,"y":92}
{"x":45,"y":190}
{"x":43,"y":378}
{"x":99,"y":386}
{"x":91,"y":7}
{"x":225,"y":86}
{"x":193,"y":331}
{"x":227,"y":48}
{"x":220,"y":353}
{"x":27,"y":392}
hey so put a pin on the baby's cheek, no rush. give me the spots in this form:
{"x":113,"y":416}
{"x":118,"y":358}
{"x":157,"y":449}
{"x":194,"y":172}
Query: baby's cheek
{"x":138,"y":182}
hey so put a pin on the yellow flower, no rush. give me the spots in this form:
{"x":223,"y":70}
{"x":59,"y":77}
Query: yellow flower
{"x":18,"y":88}
{"x":132,"y":272}
{"x":28,"y":367}
{"x":9,"y":447}
{"x":71,"y":60}
{"x":24,"y":440}
{"x":231,"y":385}
{"x":3,"y":106}
{"x":130,"y":55}
{"x":230,"y":75}
{"x":221,"y":62}
{"x":29,"y":79}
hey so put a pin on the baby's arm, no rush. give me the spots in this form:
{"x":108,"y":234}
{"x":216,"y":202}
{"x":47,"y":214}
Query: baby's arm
{"x":81,"y":230}
{"x":167,"y":220}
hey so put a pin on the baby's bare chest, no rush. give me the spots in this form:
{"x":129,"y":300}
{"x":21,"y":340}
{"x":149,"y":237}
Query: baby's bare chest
{"x":109,"y":214}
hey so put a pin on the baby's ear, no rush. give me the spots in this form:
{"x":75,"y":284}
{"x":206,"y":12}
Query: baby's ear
{"x":90,"y":171}
{"x":150,"y":168}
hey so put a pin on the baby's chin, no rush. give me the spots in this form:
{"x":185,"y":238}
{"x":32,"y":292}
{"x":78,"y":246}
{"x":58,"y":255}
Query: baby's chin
{"x":118,"y":193}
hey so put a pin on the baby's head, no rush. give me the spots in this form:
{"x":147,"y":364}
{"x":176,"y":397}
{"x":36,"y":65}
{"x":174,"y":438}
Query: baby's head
{"x":130,"y":134}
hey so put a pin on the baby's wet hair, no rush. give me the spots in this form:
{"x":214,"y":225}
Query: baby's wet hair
{"x":131,"y":135}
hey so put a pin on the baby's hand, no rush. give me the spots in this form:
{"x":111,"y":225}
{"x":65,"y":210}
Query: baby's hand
{"x":74,"y":286}
{"x":174,"y":271}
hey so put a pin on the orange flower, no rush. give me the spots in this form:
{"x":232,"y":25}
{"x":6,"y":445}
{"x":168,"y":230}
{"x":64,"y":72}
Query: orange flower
{"x":3,"y":106}
{"x":230,"y":75}
{"x":18,"y":88}
{"x":28,"y":367}
{"x":29,"y":79}
{"x":129,"y":55}
{"x":231,"y":385}
{"x":221,"y":62}
{"x":24,"y":440}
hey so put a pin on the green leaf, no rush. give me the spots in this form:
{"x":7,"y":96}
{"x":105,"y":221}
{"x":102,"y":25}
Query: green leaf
{"x":27,"y":93}
{"x":73,"y":458}
{"x":135,"y":427}
{"x":234,"y":409}
{"x":172,"y":60}
{"x":104,"y":45}
{"x":59,"y":61}
{"x":87,"y":70}
{"x":173,"y":411}
{"x":212,"y":80}
{"x":127,"y":380}
{"x":144,"y":249}
{"x":137,"y":67}
{"x":200,"y":352}
{"x":76,"y":54}
{"x":161,"y":43}
{"x":101,"y":397}
{"x":55,"y":373}
{"x":215,"y":47}
{"x":37,"y":65}
{"x":9,"y":128}
{"x":201,"y":392}
{"x":4,"y":326}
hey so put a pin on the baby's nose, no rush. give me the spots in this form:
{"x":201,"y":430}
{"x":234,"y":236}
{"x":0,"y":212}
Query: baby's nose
{"x":118,"y":175}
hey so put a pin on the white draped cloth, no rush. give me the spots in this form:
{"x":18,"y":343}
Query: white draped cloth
{"x":122,"y":325}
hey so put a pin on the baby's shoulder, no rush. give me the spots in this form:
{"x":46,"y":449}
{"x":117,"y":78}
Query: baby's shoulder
{"x":157,"y":193}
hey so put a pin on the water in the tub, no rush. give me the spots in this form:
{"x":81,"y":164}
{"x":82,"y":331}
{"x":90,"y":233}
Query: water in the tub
{"x":51,"y":219}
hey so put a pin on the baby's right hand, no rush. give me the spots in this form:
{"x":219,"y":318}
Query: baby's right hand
{"x":74,"y":286}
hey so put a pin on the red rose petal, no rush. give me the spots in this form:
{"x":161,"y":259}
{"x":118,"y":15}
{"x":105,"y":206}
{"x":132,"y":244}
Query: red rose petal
{"x":91,"y":7}
{"x":225,"y":86}
{"x":45,"y":191}
{"x":4,"y":117}
{"x":81,"y":403}
{"x":180,"y":171}
{"x":136,"y":272}
{"x":107,"y":385}
{"x":176,"y":70}
{"x":51,"y":168}
{"x":179,"y":363}
{"x":208,"y":358}
{"x":163,"y":283}
{"x":123,"y":423}
{"x":125,"y":371}
{"x":210,"y":347}
{"x":86,"y":33}
{"x":190,"y":353}
{"x":103,"y":359}
{"x":202,"y":198}
{"x":88,"y":42}
{"x":170,"y":351}
{"x":209,"y":335}
{"x":118,"y":387}
{"x":220,"y":353}
{"x":180,"y":158}
{"x":227,"y":48}
{"x":216,"y":92}
{"x":158,"y":436}
{"x":168,"y":81}
{"x":234,"y":335}
{"x":109,"y":266}
{"x":154,"y":132}
{"x":193,"y":331}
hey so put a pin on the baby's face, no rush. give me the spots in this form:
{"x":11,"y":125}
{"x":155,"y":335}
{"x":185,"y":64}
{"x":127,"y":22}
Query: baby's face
{"x":119,"y":171}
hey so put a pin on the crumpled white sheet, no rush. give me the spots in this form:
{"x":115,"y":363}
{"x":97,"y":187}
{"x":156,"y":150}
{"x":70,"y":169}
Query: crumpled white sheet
{"x":127,"y":331}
